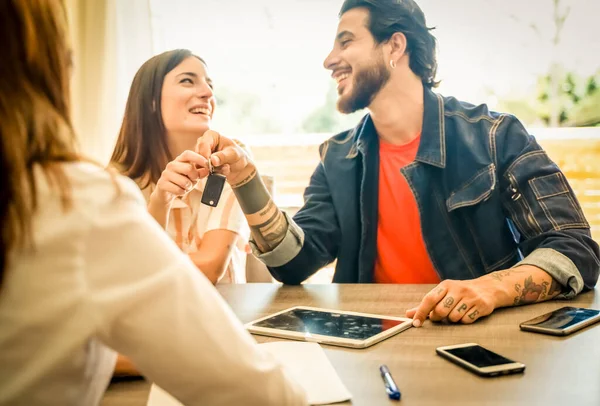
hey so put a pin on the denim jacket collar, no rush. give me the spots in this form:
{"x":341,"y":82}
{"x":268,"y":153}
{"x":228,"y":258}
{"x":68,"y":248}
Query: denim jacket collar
{"x":364,"y":134}
{"x":432,"y":149}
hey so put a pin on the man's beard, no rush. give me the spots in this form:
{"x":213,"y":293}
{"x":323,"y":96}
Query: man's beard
{"x":366,"y":83}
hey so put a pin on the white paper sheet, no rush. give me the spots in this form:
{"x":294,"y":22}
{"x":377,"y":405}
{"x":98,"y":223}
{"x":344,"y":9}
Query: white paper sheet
{"x":159,"y":397}
{"x":310,"y":367}
{"x":306,"y":362}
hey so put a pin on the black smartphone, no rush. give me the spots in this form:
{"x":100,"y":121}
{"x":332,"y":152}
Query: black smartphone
{"x":479,"y":360}
{"x":563,"y":321}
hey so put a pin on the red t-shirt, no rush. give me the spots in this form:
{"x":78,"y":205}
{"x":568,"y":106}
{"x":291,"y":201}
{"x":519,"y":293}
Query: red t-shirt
{"x":401,"y":253}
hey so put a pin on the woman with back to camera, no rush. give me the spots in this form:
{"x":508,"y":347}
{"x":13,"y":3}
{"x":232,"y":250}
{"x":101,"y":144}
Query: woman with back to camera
{"x":170,"y":105}
{"x":85,"y":271}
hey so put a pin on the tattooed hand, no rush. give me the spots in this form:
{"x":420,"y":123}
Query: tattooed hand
{"x":467,"y":301}
{"x":267,"y":222}
{"x":227,"y":157}
{"x":456,"y":301}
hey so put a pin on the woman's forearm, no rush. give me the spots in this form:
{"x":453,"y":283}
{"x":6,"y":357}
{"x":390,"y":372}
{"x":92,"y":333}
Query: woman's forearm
{"x":213,"y":269}
{"x":214,"y":253}
{"x":159,"y":209}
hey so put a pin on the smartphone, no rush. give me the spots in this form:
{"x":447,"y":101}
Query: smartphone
{"x":563,"y":321}
{"x":479,"y":360}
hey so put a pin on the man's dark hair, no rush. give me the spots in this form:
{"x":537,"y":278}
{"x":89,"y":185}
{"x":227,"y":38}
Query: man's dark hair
{"x":387,"y":17}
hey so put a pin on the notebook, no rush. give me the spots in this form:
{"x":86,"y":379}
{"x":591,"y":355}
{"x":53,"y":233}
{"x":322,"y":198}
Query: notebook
{"x":306,"y":362}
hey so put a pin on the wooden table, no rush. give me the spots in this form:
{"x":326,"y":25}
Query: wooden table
{"x":560,"y":370}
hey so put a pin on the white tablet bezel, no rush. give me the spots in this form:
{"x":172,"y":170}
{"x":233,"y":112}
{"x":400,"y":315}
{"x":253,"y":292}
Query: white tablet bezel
{"x":322,"y":339}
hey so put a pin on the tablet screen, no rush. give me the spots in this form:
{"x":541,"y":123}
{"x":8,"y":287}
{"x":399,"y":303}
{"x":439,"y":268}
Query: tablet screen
{"x":328,"y":324}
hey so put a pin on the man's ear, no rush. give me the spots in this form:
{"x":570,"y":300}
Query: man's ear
{"x":398,"y":45}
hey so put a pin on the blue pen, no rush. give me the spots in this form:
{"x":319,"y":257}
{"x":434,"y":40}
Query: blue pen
{"x":390,"y":386}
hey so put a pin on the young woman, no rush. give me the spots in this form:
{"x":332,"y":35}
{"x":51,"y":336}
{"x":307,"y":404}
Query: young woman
{"x":85,"y":270}
{"x":170,"y":105}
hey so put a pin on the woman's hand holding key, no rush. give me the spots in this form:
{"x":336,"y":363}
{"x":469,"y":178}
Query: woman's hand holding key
{"x":179,"y":177}
{"x":227,"y":158}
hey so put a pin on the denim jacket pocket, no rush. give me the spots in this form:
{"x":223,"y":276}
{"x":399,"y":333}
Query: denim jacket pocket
{"x":556,"y":199}
{"x":476,"y":190}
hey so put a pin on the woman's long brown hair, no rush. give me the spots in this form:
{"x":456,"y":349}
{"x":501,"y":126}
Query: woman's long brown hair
{"x":142,"y":151}
{"x":35,"y":121}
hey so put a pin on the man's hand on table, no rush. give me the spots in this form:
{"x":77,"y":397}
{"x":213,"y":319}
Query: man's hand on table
{"x":467,"y":301}
{"x":457,"y":301}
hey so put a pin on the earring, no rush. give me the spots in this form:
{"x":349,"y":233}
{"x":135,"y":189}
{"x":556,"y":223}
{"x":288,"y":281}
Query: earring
{"x":392,"y":64}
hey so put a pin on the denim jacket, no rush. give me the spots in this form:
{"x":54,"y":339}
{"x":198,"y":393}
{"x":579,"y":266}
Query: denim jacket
{"x":489,"y":198}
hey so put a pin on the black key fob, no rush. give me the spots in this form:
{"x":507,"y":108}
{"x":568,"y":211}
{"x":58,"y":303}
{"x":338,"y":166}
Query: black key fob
{"x":213,"y":189}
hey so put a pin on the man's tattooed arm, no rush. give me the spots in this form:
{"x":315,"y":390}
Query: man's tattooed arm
{"x":499,"y":275}
{"x":531,"y":285}
{"x":532,"y":292}
{"x":267,"y":222}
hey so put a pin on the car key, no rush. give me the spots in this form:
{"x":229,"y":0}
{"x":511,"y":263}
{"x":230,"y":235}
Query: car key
{"x":213,"y":188}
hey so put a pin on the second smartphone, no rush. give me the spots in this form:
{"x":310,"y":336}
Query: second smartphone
{"x":563,"y":321}
{"x":480,"y":360}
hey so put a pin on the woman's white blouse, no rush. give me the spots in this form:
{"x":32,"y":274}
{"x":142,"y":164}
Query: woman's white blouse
{"x":102,"y":276}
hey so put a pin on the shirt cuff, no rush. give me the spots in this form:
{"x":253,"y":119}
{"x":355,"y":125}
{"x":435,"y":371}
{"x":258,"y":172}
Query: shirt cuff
{"x":287,"y":249}
{"x":560,"y":267}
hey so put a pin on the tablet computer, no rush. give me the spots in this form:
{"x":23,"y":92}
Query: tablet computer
{"x":326,"y":326}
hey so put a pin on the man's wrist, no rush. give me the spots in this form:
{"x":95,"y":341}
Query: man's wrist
{"x":499,"y":288}
{"x":253,"y":197}
{"x":242,"y":178}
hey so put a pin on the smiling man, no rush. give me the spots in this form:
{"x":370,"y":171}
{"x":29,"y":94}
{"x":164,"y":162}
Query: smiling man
{"x":425,"y":189}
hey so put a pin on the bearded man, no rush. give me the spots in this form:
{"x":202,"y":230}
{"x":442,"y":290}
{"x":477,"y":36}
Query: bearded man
{"x":425,"y":189}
